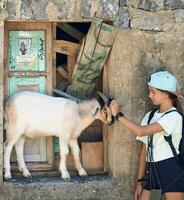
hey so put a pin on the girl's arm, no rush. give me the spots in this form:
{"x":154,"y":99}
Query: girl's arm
{"x":141,"y":172}
{"x":140,"y":130}
{"x":134,"y":127}
{"x":142,"y":162}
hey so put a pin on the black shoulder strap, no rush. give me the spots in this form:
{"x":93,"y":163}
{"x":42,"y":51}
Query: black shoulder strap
{"x":175,"y":110}
{"x":150,"y":137}
{"x":151,"y":115}
{"x":169,"y":138}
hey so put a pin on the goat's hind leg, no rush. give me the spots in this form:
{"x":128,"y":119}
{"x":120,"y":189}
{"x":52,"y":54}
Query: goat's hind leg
{"x":19,"y":147}
{"x":75,"y":151}
{"x":8,"y":146}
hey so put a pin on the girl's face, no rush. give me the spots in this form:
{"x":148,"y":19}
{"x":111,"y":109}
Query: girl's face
{"x":157,"y":97}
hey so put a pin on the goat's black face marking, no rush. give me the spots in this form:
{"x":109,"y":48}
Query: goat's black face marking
{"x":96,"y":111}
{"x":112,"y":121}
{"x":100,"y":101}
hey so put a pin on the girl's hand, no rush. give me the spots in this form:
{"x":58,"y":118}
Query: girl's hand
{"x":138,"y":191}
{"x":115,"y":107}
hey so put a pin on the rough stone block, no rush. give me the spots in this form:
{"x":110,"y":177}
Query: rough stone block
{"x":38,"y":9}
{"x":123,"y":2}
{"x":154,"y":5}
{"x":173,"y":4}
{"x":157,"y":21}
{"x":179,"y":16}
{"x":87,"y":8}
{"x":64,"y":7}
{"x":124,"y":18}
{"x":25,"y":11}
{"x":108,"y":9}
{"x":52,"y":12}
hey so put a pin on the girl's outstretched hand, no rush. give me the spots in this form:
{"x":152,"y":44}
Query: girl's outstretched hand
{"x":138,"y":191}
{"x":115,"y":107}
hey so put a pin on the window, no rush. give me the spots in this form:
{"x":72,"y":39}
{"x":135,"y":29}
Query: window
{"x":40,"y":57}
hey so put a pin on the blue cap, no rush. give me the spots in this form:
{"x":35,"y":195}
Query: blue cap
{"x":164,"y":80}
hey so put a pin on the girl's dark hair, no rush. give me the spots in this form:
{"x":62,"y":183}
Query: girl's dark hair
{"x":173,"y":98}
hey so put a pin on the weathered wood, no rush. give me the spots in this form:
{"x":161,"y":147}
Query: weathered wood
{"x":27,"y":74}
{"x":33,"y":166}
{"x":54,"y":26}
{"x":66,"y":47}
{"x":71,"y":60}
{"x":92,"y":56}
{"x":105,"y":128}
{"x":62,"y":86}
{"x":46,"y":75}
{"x":62,"y":72}
{"x":69,"y":162}
{"x":92,"y":156}
{"x":71,"y":30}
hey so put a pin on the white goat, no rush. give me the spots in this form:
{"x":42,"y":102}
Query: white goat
{"x":30,"y":114}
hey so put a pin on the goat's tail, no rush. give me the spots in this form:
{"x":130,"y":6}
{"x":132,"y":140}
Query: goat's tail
{"x":5,"y":117}
{"x":5,"y":120}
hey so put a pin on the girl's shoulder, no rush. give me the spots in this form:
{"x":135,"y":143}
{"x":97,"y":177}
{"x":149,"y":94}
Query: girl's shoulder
{"x":145,"y":118}
{"x":174,"y":115}
{"x":172,"y":112}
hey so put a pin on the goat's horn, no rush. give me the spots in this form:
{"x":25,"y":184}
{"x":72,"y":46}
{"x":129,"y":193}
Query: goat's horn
{"x":105,"y":99}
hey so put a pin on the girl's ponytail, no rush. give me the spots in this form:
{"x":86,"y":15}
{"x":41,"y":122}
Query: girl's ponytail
{"x":180,"y":103}
{"x":177,"y":101}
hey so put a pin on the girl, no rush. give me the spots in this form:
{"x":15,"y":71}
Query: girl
{"x":163,"y":168}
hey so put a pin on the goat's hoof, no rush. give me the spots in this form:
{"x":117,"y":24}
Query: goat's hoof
{"x":7,"y":177}
{"x":66,"y":179}
{"x":27,"y":174}
{"x":83,"y":173}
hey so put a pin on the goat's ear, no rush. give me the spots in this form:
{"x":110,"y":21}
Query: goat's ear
{"x":100,"y":101}
{"x":94,"y":112}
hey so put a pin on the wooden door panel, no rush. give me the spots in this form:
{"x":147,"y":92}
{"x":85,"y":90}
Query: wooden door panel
{"x":38,"y":153}
{"x":35,"y":149}
{"x":26,"y":51}
{"x":28,"y":68}
{"x":36,"y":84}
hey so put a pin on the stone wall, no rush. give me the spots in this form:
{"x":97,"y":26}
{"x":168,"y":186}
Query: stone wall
{"x":134,"y":56}
{"x":1,"y":101}
{"x":150,"y":36}
{"x":151,"y":41}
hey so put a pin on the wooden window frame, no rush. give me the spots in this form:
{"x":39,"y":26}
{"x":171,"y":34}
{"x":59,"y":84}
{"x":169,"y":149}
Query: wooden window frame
{"x":50,"y":74}
{"x":70,"y":63}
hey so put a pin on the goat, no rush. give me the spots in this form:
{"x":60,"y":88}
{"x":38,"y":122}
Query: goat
{"x":31,"y":114}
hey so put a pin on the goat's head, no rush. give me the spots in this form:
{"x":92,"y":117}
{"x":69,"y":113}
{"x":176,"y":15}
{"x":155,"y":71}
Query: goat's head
{"x":103,"y":112}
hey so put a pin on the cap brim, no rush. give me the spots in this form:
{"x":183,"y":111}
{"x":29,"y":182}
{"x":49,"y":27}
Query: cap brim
{"x":175,"y":93}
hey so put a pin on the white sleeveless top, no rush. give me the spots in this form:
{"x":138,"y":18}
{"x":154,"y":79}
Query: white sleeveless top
{"x":172,"y":124}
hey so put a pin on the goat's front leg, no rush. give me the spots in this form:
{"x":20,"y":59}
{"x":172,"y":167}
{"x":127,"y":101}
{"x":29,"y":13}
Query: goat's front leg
{"x":75,"y":151}
{"x":63,"y":155}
